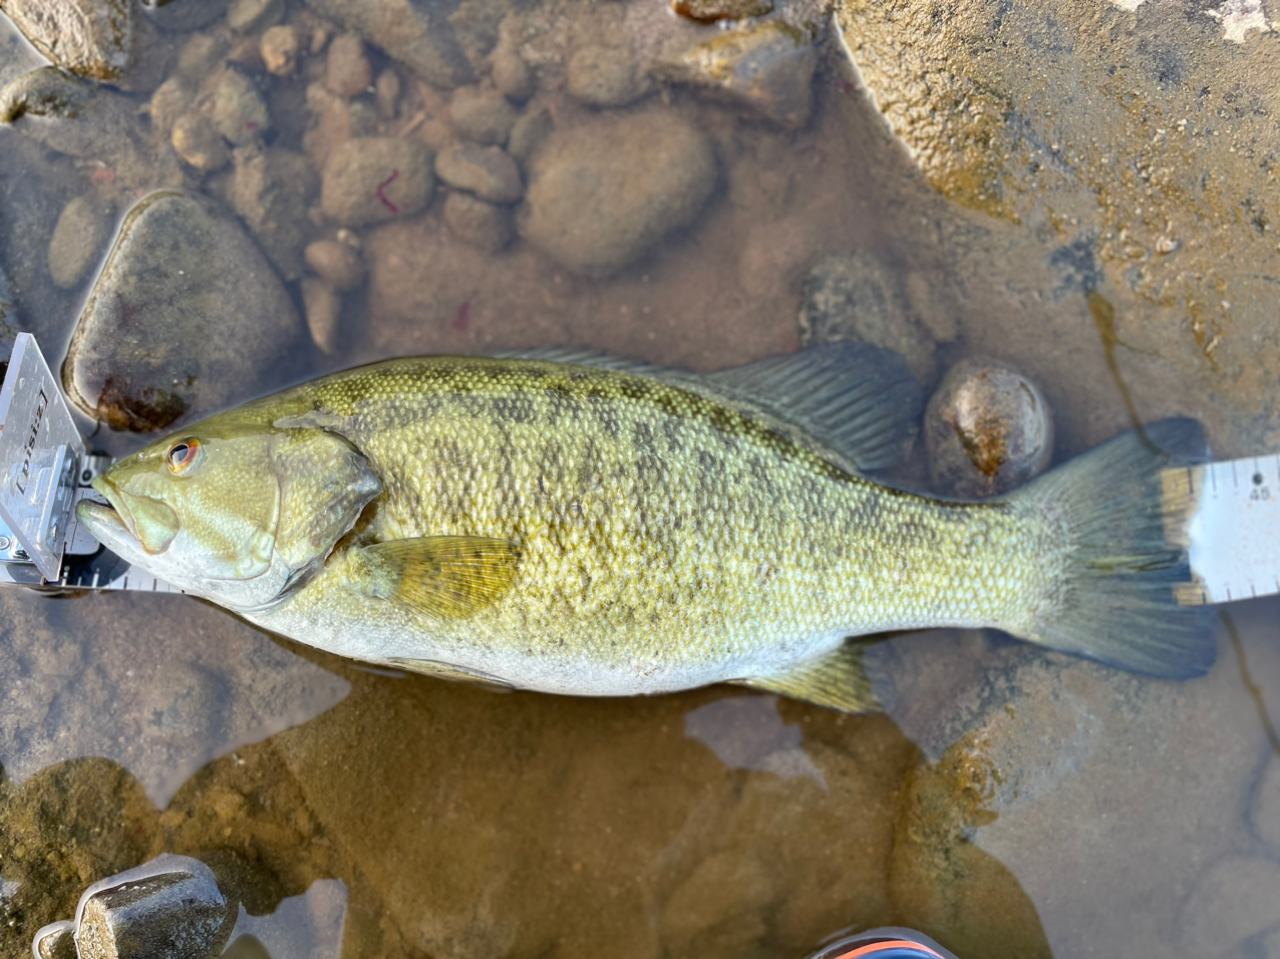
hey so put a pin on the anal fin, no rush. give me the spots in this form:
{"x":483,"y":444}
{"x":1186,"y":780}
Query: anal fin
{"x":837,"y":680}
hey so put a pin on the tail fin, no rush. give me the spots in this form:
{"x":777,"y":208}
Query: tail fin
{"x":1127,"y":533}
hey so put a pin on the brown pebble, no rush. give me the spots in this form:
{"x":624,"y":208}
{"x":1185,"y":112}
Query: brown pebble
{"x":319,"y":37}
{"x":488,"y":172}
{"x":336,"y":262}
{"x":482,"y":115}
{"x":198,"y":143}
{"x":281,"y":47}
{"x":387,"y":94}
{"x":252,"y":16}
{"x":510,"y":74}
{"x":709,"y":11}
{"x":481,"y":224}
{"x":323,"y":308}
{"x":171,"y":99}
{"x":347,"y":70}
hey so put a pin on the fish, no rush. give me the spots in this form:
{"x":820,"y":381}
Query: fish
{"x":575,"y":523}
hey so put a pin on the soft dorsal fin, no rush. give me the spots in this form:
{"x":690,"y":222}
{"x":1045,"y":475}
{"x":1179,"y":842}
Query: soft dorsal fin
{"x":449,"y":577}
{"x":859,"y":401}
{"x":837,"y":680}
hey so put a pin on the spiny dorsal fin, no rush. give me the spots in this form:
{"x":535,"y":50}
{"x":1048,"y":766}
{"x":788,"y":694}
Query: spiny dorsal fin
{"x":450,"y":577}
{"x":837,"y":680}
{"x":857,"y":400}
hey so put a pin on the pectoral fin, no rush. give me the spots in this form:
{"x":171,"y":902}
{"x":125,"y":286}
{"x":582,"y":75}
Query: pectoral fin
{"x":837,"y":680}
{"x":456,"y":674}
{"x":450,"y":577}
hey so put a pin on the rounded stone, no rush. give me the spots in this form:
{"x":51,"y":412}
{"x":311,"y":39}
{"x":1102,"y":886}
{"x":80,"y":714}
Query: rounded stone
{"x":856,"y":296}
{"x":77,"y":241}
{"x":988,"y":429}
{"x":604,"y":77}
{"x":183,"y":15}
{"x":603,"y":194}
{"x":482,"y":115}
{"x":90,"y":38}
{"x":1234,"y":899}
{"x":198,"y":143}
{"x":280,"y":49}
{"x":336,"y":262}
{"x":239,"y":112}
{"x":510,"y":74}
{"x":171,"y":100}
{"x":185,"y":315}
{"x":529,"y":132}
{"x":323,"y":309}
{"x":481,"y":224}
{"x":347,"y":71}
{"x":386,"y":94}
{"x":252,"y":16}
{"x":375,"y":179}
{"x":488,"y":172}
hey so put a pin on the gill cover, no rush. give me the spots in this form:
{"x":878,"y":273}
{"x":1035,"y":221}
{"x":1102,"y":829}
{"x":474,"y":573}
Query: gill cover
{"x":240,"y":518}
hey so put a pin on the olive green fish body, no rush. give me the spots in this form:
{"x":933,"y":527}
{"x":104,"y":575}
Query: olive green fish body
{"x":599,"y":531}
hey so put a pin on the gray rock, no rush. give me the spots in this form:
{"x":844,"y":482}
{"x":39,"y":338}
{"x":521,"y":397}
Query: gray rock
{"x":488,"y":172}
{"x":988,"y":429}
{"x":605,"y":77}
{"x":280,"y":48}
{"x":170,"y":100}
{"x":418,"y":33}
{"x":1235,"y":898}
{"x":347,"y":71}
{"x":197,"y":141}
{"x":202,"y":54}
{"x":855,"y":296}
{"x":479,"y":223}
{"x":183,"y":15}
{"x":374,"y":179}
{"x":510,"y":74}
{"x":239,"y":111}
{"x":80,"y":119}
{"x":322,"y":308}
{"x":253,"y":16}
{"x":336,"y":262}
{"x":1264,"y":806}
{"x":334,"y":121}
{"x":169,"y":908}
{"x":90,"y":38}
{"x":529,"y":132}
{"x":482,"y":115}
{"x":78,"y":240}
{"x":55,"y":941}
{"x":272,"y":190}
{"x":603,"y":194}
{"x":765,"y":67}
{"x":185,"y":316}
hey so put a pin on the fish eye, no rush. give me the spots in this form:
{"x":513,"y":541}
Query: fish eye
{"x":184,"y":455}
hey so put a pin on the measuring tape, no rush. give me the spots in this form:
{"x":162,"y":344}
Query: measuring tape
{"x":1235,"y":531}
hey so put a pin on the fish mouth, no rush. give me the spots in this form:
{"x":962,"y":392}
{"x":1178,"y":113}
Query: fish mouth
{"x":149,"y":524}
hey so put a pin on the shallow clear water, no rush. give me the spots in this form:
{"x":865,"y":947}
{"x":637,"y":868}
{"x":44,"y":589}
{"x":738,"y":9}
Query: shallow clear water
{"x":1009,"y":803}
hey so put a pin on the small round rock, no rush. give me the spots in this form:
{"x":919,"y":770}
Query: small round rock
{"x":239,"y":112}
{"x":281,"y":47}
{"x":251,"y":16}
{"x":988,"y":429}
{"x":323,"y":309}
{"x":198,"y":143}
{"x":78,"y":240}
{"x":481,"y":224}
{"x":482,"y":115}
{"x":510,"y":74}
{"x":374,"y":179}
{"x":488,"y":172}
{"x":347,"y":70}
{"x":604,"y":77}
{"x":337,"y":263}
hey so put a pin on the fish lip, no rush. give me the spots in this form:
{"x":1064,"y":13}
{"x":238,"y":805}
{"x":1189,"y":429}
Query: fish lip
{"x":114,"y":511}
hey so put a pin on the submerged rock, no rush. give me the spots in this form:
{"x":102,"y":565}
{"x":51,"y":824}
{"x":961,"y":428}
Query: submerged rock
{"x":185,"y":316}
{"x":482,"y":115}
{"x":1234,"y":899}
{"x":347,"y":71}
{"x":487,"y":172}
{"x":766,"y":67}
{"x":418,"y":34}
{"x":987,"y":429}
{"x":55,"y":941}
{"x":603,"y":194}
{"x":481,"y":224}
{"x":182,"y":15}
{"x":374,"y":179}
{"x":856,"y":296}
{"x":272,"y":189}
{"x":337,"y":262}
{"x":605,"y":77}
{"x":78,"y":240}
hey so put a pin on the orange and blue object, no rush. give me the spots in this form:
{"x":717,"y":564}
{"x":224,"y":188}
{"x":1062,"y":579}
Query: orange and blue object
{"x":884,"y":944}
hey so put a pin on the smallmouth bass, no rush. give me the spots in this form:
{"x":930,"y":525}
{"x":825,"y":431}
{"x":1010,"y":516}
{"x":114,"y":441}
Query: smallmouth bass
{"x":578,"y":524}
